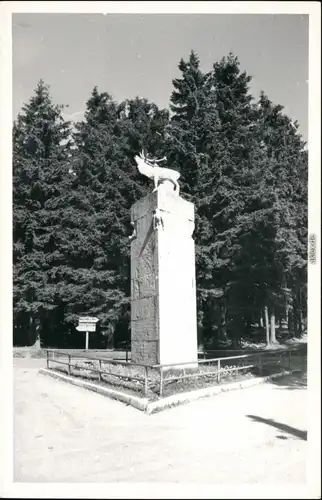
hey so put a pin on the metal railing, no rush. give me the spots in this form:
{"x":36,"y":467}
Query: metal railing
{"x":159,"y":375}
{"x":218,"y":371}
{"x":257,"y":361}
{"x":99,"y":370}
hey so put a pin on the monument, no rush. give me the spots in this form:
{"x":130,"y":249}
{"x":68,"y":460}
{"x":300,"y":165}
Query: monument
{"x":163,"y":285}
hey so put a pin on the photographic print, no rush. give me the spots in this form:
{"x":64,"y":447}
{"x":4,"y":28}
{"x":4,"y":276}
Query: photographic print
{"x":162,"y":246}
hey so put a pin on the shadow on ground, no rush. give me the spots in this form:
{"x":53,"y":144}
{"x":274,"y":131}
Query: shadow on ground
{"x":281,"y":427}
{"x":297,"y":380}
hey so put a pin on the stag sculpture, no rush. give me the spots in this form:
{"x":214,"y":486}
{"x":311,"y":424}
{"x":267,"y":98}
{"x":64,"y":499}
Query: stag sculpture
{"x":150,"y":168}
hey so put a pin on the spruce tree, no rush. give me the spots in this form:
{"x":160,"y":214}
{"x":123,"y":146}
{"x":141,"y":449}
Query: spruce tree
{"x":107,"y":183}
{"x":211,"y":142}
{"x":243,"y":164}
{"x":41,"y":141}
{"x":286,"y":200}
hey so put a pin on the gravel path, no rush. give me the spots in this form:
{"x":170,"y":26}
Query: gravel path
{"x":64,"y":433}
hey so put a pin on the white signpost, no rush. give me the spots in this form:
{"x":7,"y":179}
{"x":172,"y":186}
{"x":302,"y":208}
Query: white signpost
{"x":87,"y":324}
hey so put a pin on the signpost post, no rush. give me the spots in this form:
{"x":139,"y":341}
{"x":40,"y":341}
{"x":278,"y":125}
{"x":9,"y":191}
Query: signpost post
{"x":87,"y":324}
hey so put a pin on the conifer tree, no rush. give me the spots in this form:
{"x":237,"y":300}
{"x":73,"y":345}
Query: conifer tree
{"x":212,"y":154}
{"x":243,"y":164}
{"x":285,"y":209}
{"x":41,"y":141}
{"x":107,"y":183}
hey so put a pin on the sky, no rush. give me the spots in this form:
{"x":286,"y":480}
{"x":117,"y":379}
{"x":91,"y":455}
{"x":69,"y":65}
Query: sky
{"x":132,"y":55}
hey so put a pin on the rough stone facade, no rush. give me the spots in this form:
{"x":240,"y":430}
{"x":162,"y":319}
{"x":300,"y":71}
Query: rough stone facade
{"x":163,"y":291}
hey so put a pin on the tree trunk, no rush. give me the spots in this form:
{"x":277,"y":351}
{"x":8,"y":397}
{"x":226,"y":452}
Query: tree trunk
{"x":223,"y":324}
{"x":291,"y":322}
{"x":298,"y":321}
{"x":286,"y":313}
{"x":261,"y":322}
{"x":109,"y":340}
{"x":301,"y":323}
{"x":273,"y":331}
{"x":297,"y":318}
{"x":268,"y":340}
{"x":31,"y":331}
{"x":284,"y":319}
{"x":37,"y":333}
{"x":201,"y":345}
{"x":34,"y":332}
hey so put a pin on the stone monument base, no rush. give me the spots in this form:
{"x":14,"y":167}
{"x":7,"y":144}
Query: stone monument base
{"x":163,"y":289}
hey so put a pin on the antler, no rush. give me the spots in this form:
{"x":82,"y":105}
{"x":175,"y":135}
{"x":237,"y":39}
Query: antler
{"x":161,"y":159}
{"x":150,"y":161}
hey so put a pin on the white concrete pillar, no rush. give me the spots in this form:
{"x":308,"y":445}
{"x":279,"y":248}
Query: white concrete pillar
{"x":163,"y":287}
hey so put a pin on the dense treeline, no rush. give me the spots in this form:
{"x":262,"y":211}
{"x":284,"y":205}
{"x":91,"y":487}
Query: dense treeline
{"x":242,"y":162}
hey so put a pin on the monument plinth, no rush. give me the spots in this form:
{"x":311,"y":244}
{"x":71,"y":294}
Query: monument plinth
{"x":163,"y":287}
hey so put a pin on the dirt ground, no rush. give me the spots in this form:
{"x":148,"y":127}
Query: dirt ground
{"x":63,"y":433}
